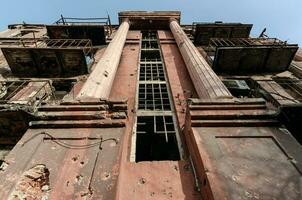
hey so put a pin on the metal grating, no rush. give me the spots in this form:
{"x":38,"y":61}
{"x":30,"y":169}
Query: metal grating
{"x":84,"y":44}
{"x":90,"y":21}
{"x":156,"y":139}
{"x":9,"y":89}
{"x":151,"y":72}
{"x":153,"y":96}
{"x":245,"y":42}
{"x":149,"y":44}
{"x":156,"y":124}
{"x":156,"y":136}
{"x":291,"y":86}
{"x":149,"y":35}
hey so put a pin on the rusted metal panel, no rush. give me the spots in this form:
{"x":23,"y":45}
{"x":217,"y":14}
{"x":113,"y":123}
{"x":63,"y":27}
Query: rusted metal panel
{"x":34,"y":62}
{"x":240,"y":60}
{"x":20,"y":62}
{"x":205,"y":31}
{"x":247,"y":163}
{"x":96,"y":33}
{"x":32,"y":93}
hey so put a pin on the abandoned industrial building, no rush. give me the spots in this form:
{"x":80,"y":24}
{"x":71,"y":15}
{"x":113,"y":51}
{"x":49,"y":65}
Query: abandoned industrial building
{"x":148,"y":108}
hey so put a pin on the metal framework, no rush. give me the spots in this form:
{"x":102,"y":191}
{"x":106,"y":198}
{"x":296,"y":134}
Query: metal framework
{"x":153,"y":96}
{"x":84,"y":44}
{"x":245,"y":42}
{"x":291,"y":86}
{"x":151,"y":71}
{"x":155,"y":118}
{"x":105,"y":21}
{"x":9,"y":88}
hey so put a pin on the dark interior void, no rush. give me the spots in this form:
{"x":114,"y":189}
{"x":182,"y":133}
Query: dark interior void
{"x":62,"y":87}
{"x":238,"y":88}
{"x":150,"y":55}
{"x":291,"y":117}
{"x":242,"y":88}
{"x":156,"y":139}
{"x":149,"y":35}
{"x":4,"y":151}
{"x":149,"y":44}
{"x":96,"y":33}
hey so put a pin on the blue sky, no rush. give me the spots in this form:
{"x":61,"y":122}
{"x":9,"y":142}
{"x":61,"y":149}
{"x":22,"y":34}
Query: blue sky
{"x":282,"y":18}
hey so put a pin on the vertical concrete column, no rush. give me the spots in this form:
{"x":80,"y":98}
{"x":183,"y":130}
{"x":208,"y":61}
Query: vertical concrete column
{"x":99,"y":82}
{"x":206,"y":82}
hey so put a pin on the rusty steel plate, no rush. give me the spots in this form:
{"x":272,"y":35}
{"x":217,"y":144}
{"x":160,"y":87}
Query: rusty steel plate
{"x":249,"y":162}
{"x":240,"y":60}
{"x":45,"y":62}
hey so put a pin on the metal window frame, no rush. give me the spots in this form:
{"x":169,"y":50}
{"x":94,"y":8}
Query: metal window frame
{"x":154,"y":113}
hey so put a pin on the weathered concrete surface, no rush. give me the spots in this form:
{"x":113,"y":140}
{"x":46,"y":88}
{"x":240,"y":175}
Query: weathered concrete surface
{"x":99,"y":82}
{"x":178,"y":76}
{"x":173,"y":179}
{"x":80,"y":163}
{"x":206,"y":82}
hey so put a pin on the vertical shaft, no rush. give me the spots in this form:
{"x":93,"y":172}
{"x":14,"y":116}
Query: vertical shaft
{"x":99,"y":82}
{"x":206,"y":82}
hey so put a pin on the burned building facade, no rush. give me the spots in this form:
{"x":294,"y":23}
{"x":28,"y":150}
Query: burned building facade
{"x":148,"y":109}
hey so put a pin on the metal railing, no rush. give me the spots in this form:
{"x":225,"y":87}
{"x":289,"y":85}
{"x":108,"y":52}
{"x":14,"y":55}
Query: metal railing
{"x":105,"y":21}
{"x":84,"y":44}
{"x":9,"y":88}
{"x":235,"y":42}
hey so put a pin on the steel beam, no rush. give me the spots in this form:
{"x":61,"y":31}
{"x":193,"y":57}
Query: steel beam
{"x":206,"y":82}
{"x":99,"y":82}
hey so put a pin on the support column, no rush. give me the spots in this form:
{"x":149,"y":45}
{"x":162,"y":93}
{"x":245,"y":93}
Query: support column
{"x":99,"y":83}
{"x":206,"y":82}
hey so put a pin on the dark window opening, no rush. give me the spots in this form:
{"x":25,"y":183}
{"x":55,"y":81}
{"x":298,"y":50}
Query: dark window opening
{"x":238,"y":88}
{"x":149,"y":44}
{"x":150,"y":55}
{"x":62,"y":88}
{"x":149,"y":35}
{"x":4,"y":151}
{"x":156,"y":139}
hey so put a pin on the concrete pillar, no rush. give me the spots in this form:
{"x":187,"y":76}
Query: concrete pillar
{"x":206,"y":82}
{"x":99,"y":83}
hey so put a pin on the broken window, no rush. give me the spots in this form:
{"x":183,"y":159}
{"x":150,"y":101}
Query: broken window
{"x":156,"y":136}
{"x":156,"y":139}
{"x":238,"y":88}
